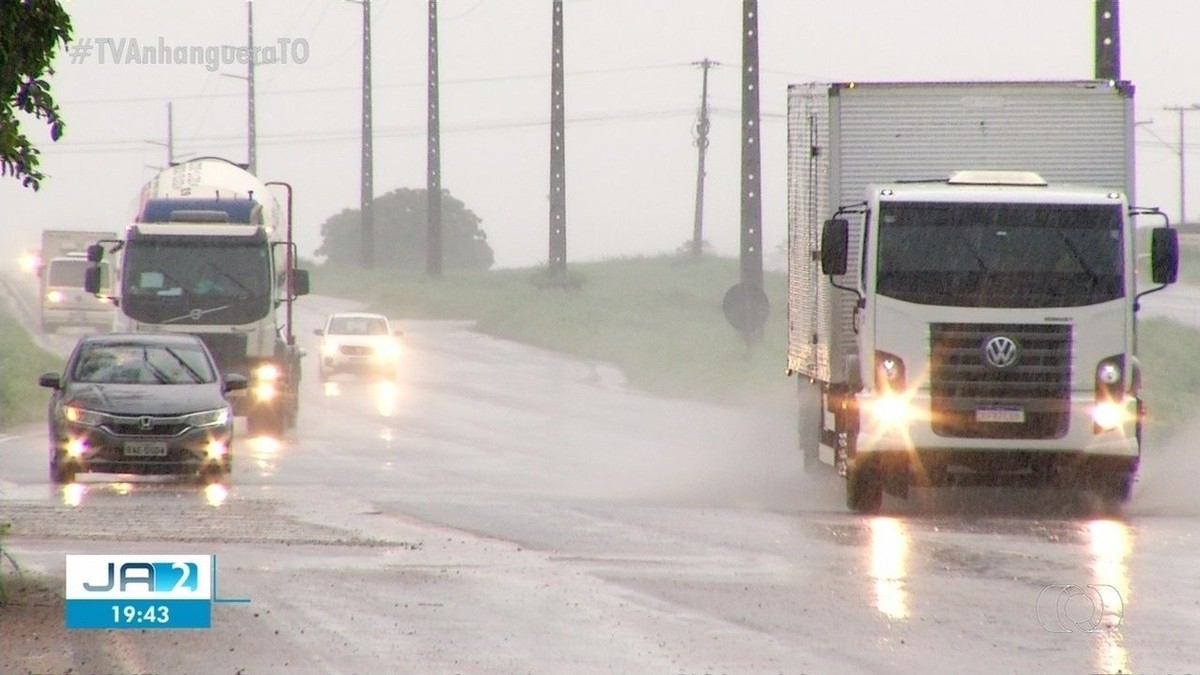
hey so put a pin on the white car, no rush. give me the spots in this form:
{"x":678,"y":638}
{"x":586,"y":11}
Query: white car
{"x":358,"y":342}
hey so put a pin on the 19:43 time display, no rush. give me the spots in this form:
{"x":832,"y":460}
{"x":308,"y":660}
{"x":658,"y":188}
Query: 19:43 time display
{"x":159,"y":614}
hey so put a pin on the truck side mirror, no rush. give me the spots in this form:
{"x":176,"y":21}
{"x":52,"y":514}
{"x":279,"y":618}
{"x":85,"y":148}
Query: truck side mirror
{"x":835,"y":246}
{"x":95,"y":253}
{"x":91,"y":279}
{"x":299,"y":283}
{"x":1164,"y":255}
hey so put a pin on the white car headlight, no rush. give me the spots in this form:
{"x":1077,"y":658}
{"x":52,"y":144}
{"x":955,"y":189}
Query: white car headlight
{"x":88,"y":418}
{"x":329,"y":348}
{"x":210,"y":418}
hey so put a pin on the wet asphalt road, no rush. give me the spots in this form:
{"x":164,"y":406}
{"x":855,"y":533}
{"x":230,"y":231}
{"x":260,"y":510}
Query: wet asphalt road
{"x":499,"y":509}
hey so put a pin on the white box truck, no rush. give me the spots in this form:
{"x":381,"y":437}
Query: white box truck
{"x":962,"y":286}
{"x":61,"y":265}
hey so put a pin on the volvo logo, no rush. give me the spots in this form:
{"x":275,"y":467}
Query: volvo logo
{"x":145,"y":422}
{"x":1001,"y":352}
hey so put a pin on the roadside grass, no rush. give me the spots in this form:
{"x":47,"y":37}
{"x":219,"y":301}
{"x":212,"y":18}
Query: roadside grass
{"x":21,"y":362}
{"x":660,"y":320}
{"x":1171,"y":373}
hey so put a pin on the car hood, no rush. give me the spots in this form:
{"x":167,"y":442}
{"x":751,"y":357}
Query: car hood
{"x":359,"y":340}
{"x":140,"y":399}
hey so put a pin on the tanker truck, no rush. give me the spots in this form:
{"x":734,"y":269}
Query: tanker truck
{"x":963,"y":285}
{"x":210,"y":252}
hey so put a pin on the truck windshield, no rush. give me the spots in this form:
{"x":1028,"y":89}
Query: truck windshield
{"x":1000,"y":255}
{"x":196,"y":281}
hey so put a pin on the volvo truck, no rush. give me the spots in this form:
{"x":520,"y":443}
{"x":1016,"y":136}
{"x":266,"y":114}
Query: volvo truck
{"x":963,"y":285}
{"x":210,"y":252}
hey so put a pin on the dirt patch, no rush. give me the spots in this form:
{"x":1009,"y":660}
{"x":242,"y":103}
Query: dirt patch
{"x":33,"y":635}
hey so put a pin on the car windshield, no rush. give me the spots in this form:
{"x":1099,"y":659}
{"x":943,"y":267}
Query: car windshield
{"x":358,"y":325}
{"x":142,"y":364}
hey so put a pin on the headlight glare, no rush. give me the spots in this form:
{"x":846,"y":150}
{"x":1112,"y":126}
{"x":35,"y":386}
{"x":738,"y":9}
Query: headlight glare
{"x":1108,"y":415}
{"x":268,"y":372}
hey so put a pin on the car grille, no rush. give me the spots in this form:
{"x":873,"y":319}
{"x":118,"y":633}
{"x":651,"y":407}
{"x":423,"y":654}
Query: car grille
{"x":962,"y":381}
{"x":147,"y":426}
{"x":356,"y":350}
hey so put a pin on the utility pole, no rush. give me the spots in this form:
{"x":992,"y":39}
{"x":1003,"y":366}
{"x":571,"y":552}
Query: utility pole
{"x":170,"y":144}
{"x":433,"y":177}
{"x":252,"y":141}
{"x":558,"y":161}
{"x":367,"y":196}
{"x":1108,"y":41}
{"x":1182,"y":110}
{"x":702,"y":126}
{"x":751,"y":250}
{"x":745,"y":305}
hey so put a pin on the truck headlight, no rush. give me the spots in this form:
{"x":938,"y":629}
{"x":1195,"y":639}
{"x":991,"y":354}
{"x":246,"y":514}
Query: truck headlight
{"x":889,"y":372}
{"x":1108,"y":415}
{"x":210,"y":418}
{"x":83,"y":416}
{"x":268,"y":372}
{"x":54,"y":297}
{"x":329,"y":348}
{"x":1110,"y":378}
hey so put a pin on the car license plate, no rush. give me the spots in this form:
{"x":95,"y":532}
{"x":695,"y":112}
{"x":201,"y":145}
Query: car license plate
{"x":1002,"y":415}
{"x":145,"y":449}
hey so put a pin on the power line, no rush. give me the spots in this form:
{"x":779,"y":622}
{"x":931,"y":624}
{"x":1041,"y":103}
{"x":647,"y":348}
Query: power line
{"x":400,"y":85}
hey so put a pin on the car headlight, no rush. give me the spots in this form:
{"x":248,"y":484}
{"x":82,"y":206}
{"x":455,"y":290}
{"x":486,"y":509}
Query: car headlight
{"x":210,"y":418}
{"x":387,"y":350}
{"x":329,"y":348}
{"x":83,"y":416}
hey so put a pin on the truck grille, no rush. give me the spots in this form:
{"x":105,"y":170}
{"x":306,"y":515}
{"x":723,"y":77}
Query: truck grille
{"x":228,"y":350}
{"x":964,"y":380}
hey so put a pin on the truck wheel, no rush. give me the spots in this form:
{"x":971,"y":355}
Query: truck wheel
{"x":265,"y":420}
{"x":864,"y":487}
{"x":1112,"y":489}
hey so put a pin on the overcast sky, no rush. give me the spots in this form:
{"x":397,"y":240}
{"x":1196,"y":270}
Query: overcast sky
{"x":632,"y":94}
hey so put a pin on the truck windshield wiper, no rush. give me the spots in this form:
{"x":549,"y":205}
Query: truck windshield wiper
{"x":225,"y":274}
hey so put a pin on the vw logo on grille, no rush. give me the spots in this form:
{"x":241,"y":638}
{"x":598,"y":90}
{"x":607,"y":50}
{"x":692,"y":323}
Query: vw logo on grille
{"x":145,"y":422}
{"x":1000,"y":351}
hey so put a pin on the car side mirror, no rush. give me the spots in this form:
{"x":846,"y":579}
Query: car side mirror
{"x":234,"y":382}
{"x":319,"y":332}
{"x":1164,"y":255}
{"x":835,"y":246}
{"x":50,"y":381}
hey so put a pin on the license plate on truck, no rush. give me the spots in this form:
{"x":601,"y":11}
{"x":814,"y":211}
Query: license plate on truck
{"x":145,"y":449}
{"x":1002,"y":415}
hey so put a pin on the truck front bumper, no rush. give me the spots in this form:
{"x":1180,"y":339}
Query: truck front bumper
{"x":899,"y":424}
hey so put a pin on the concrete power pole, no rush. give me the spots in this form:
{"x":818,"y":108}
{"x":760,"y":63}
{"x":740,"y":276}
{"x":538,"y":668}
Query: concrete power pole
{"x":433,"y":176}
{"x":367,"y":196}
{"x":1108,"y":41}
{"x":1182,"y":110}
{"x":745,"y":305}
{"x":558,"y":161}
{"x":252,"y":140}
{"x":702,"y":127}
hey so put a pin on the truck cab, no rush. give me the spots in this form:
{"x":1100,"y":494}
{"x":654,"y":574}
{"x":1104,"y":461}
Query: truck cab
{"x":65,"y":301}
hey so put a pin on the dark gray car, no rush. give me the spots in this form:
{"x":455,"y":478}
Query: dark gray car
{"x":140,"y":403}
